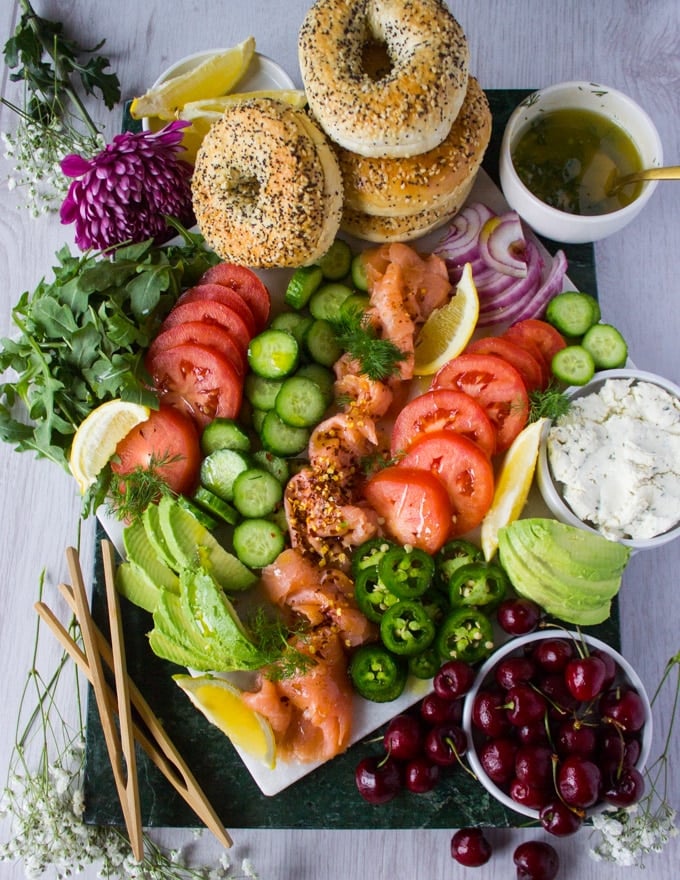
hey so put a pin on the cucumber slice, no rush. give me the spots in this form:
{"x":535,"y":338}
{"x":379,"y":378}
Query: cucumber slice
{"x":258,"y":542}
{"x":191,"y":543}
{"x":220,"y":469}
{"x":326,"y":303}
{"x":280,"y":438}
{"x":322,"y":343}
{"x":291,"y":322}
{"x":336,"y":262}
{"x":300,"y":402}
{"x":140,"y":551}
{"x":304,"y":281}
{"x":203,"y":516}
{"x":273,"y":354}
{"x":260,"y":392}
{"x":606,"y":346}
{"x":357,"y":303}
{"x":276,"y":465}
{"x":359,"y":274}
{"x":224,"y":434}
{"x":216,"y":506}
{"x":573,"y":365}
{"x":573,"y":313}
{"x":323,"y":377}
{"x":257,"y":492}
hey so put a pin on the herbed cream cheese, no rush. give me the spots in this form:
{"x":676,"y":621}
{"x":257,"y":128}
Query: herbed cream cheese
{"x":617,"y":455}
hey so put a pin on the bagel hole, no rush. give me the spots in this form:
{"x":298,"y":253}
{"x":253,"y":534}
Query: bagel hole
{"x":245,"y":186}
{"x":375,"y":60}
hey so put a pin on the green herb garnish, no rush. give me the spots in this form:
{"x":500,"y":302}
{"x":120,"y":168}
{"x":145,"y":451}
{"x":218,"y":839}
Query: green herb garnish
{"x":378,"y":358}
{"x":550,"y":403}
{"x":82,"y":339}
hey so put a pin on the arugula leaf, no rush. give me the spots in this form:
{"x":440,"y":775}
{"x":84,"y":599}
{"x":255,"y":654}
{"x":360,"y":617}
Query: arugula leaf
{"x":82,"y":338}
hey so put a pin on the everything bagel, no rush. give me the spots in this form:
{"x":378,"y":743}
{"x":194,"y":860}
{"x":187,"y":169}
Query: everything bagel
{"x":403,"y":187}
{"x":267,"y":190}
{"x":407,"y":104}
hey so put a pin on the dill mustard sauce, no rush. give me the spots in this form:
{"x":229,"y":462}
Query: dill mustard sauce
{"x":570,"y":158}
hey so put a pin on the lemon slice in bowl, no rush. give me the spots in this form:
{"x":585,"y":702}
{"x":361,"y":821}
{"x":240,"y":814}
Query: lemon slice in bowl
{"x":95,"y":441}
{"x":213,"y":77}
{"x":448,"y":330}
{"x":221,"y":703}
{"x":512,"y":485}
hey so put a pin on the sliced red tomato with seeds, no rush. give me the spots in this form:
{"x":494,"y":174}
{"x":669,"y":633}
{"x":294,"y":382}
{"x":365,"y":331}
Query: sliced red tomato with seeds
{"x":547,"y":339}
{"x":167,"y":441}
{"x":496,"y":385}
{"x":414,"y":505}
{"x":201,"y":333}
{"x":464,"y":469}
{"x":530,"y":366}
{"x":210,"y":312}
{"x":443,"y":409}
{"x":247,"y":284}
{"x":225,"y":295}
{"x":198,"y":381}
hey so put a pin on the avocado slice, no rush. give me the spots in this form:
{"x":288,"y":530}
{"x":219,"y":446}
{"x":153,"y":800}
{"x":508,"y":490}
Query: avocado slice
{"x":172,"y":622}
{"x":571,"y":573}
{"x":136,"y":585}
{"x":164,"y":646}
{"x":139,"y":550}
{"x":190,"y":544}
{"x":154,"y":534}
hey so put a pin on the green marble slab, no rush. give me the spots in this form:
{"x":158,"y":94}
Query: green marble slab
{"x":327,"y":797}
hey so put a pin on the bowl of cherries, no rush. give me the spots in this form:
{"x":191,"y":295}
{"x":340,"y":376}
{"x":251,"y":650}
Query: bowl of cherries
{"x":558,"y":726}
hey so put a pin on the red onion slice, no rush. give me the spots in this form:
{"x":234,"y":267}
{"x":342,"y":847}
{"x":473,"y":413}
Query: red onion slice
{"x":461,"y":243}
{"x":503,"y":246}
{"x":533,"y":303}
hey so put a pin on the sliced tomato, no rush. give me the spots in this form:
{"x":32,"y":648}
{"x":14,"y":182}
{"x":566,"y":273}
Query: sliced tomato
{"x":547,"y":339}
{"x":530,"y":366}
{"x":496,"y":385}
{"x":198,"y":381}
{"x":443,"y":409}
{"x":463,"y":468}
{"x":202,"y":333}
{"x":414,"y":505}
{"x":247,"y":284}
{"x":167,"y":441}
{"x":225,"y":295}
{"x":210,"y":312}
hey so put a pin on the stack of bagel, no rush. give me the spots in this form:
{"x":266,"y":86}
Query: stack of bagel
{"x":388,"y":83}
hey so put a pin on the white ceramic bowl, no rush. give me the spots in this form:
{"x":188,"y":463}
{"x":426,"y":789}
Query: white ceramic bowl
{"x":559,"y":225}
{"x":551,"y":490}
{"x":517,"y":647}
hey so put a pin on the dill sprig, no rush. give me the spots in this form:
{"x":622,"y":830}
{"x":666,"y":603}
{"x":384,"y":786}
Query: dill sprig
{"x":128,"y":495}
{"x":378,"y":358}
{"x":275,"y":641}
{"x":550,"y":403}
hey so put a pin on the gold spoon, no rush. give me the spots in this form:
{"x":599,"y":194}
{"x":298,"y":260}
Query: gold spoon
{"x":670,"y":172}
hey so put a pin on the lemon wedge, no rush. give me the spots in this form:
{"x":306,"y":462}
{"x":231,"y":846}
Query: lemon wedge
{"x":448,"y":330}
{"x":211,"y":109}
{"x":512,"y":485}
{"x":95,"y":441}
{"x":212,"y":77}
{"x":222,"y":705}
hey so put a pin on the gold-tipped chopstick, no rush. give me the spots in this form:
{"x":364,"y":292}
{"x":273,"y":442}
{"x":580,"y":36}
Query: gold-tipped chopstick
{"x":154,"y":740}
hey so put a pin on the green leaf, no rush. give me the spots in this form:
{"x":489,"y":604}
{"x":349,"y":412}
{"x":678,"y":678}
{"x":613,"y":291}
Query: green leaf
{"x":94,"y":78}
{"x":84,"y":344}
{"x":56,"y":320}
{"x":145,"y":290}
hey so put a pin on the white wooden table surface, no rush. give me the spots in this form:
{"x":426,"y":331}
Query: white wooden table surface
{"x":633,"y":46}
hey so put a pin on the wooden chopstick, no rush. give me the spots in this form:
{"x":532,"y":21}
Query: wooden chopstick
{"x":123,"y":778}
{"x":154,"y":740}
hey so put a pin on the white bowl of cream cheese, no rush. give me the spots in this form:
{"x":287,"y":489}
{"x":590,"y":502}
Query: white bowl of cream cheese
{"x":612,"y":463}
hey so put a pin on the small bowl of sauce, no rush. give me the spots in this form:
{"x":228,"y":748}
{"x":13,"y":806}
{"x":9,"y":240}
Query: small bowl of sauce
{"x":563,"y":149}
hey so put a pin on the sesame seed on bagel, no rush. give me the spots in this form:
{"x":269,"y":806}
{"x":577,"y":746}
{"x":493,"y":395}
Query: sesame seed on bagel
{"x":404,"y":104}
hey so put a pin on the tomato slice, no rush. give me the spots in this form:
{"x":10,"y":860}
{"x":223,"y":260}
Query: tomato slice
{"x":414,"y":504}
{"x":547,"y":339}
{"x":247,"y":284}
{"x":210,"y":312}
{"x":496,"y":385}
{"x":167,"y":436}
{"x":225,"y":295}
{"x":197,"y":380}
{"x":464,"y":469}
{"x":202,"y":333}
{"x":531,"y":367}
{"x":443,"y":409}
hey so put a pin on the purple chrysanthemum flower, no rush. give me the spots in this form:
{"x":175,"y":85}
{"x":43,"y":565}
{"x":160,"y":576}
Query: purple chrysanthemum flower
{"x":122,"y":193}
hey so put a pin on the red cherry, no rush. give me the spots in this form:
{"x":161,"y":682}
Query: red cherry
{"x":421,"y":775}
{"x":378,"y":779}
{"x":403,"y":738}
{"x":624,"y":708}
{"x":559,"y":819}
{"x":469,"y":847}
{"x":578,"y":781}
{"x":536,"y":860}
{"x":585,"y":677}
{"x":454,"y":679}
